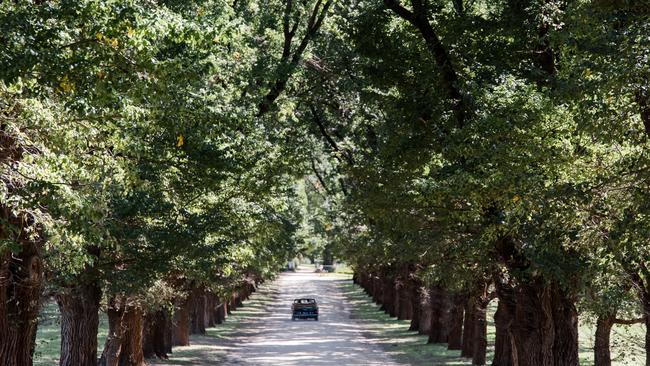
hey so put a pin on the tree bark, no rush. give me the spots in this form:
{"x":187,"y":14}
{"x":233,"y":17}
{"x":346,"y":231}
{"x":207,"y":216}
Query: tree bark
{"x":181,"y":324}
{"x":565,"y":323}
{"x":467,"y":349}
{"x":169,"y":330}
{"x":543,"y":324}
{"x":377,"y":288}
{"x":131,"y":352}
{"x":602,"y":354}
{"x":388,"y":293}
{"x":233,"y":302}
{"x":79,"y":307}
{"x":439,"y":315}
{"x":479,"y":342}
{"x":123,"y":345}
{"x":229,"y":305}
{"x":226,"y":309}
{"x":362,"y":280}
{"x":21,"y":272}
{"x":221,"y":312}
{"x":542,"y":315}
{"x":503,"y":339}
{"x":210,"y":310}
{"x":238,"y":299}
{"x":21,"y":280}
{"x":154,"y":343}
{"x":113,"y":344}
{"x":426,"y":311}
{"x":197,"y":311}
{"x":406,"y":298}
{"x":415,"y":306}
{"x":397,"y":301}
{"x":455,"y":339}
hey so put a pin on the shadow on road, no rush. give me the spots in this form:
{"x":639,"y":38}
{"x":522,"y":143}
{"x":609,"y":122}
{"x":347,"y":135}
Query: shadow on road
{"x":265,"y":334}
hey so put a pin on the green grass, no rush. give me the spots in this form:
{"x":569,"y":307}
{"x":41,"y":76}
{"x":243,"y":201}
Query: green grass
{"x":48,"y":335}
{"x":626,"y":344}
{"x":344,"y":268}
{"x":410,"y":348}
{"x":202,"y":348}
{"x":253,"y":307}
{"x":405,"y":347}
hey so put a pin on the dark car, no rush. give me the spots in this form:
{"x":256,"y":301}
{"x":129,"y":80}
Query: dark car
{"x":304,"y":309}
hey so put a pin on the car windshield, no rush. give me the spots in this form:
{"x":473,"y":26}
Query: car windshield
{"x":304,"y":301}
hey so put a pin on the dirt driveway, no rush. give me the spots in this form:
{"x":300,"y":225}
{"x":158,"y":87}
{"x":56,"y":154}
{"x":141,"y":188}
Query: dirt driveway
{"x":266,"y":335}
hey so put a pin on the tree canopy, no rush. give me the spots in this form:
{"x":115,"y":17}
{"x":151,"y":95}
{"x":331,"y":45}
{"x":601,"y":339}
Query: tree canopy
{"x":485,"y":149}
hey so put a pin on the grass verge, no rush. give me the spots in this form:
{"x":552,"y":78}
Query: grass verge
{"x":409,"y":348}
{"x":202,"y":350}
{"x":48,"y":335}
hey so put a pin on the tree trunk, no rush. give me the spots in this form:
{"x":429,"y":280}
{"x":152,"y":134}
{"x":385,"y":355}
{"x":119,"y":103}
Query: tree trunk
{"x":21,"y":280}
{"x":467,"y":349}
{"x":221,"y":312}
{"x":131,"y":353}
{"x":216,"y":305}
{"x":397,"y":301}
{"x":479,"y":342}
{"x":123,"y":345}
{"x":425,"y":311}
{"x":415,"y":306}
{"x":21,"y":271}
{"x":238,"y":299}
{"x":197,"y":311}
{"x":113,"y":344}
{"x":233,"y":302}
{"x":602,"y":354}
{"x":542,"y":315}
{"x":455,"y":339}
{"x":565,"y":323}
{"x":181,"y":324}
{"x":544,"y":324}
{"x":229,"y":305}
{"x":377,"y":290}
{"x":169,"y":330}
{"x":79,"y":307}
{"x":503,"y":340}
{"x":388,"y":292}
{"x":406,"y":298}
{"x":210,"y":310}
{"x":154,"y":333}
{"x":439,"y":315}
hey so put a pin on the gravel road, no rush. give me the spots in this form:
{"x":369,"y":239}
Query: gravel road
{"x":272,"y":338}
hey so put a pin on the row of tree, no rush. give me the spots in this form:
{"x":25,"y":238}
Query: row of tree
{"x":486,"y":150}
{"x":478,"y":148}
{"x":139,"y":174}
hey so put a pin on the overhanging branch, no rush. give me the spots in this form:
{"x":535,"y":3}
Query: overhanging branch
{"x":418,"y":18}
{"x":320,"y":179}
{"x":289,"y":61}
{"x":319,"y":122}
